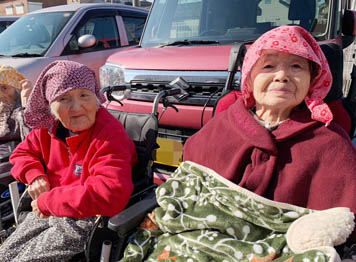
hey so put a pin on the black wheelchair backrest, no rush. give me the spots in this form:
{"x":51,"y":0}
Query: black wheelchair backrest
{"x":142,"y":129}
{"x":334,"y":55}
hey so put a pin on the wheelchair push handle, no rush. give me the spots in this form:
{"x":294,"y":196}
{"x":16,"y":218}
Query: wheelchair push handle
{"x":110,"y":89}
{"x":113,"y":88}
{"x":172,"y":92}
{"x":162,"y":96}
{"x":178,"y":90}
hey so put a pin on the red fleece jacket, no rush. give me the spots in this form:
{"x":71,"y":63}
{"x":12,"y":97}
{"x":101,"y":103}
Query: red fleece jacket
{"x":90,"y":174}
{"x":302,"y":162}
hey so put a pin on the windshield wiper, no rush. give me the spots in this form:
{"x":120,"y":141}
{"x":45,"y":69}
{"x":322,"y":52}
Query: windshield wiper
{"x":26,"y":55}
{"x":189,"y":42}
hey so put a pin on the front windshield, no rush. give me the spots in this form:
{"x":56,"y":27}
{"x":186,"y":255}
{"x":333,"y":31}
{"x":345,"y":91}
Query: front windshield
{"x":32,"y":34}
{"x":227,"y":21}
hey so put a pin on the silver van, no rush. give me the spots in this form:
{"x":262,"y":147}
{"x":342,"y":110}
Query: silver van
{"x":86,"y":33}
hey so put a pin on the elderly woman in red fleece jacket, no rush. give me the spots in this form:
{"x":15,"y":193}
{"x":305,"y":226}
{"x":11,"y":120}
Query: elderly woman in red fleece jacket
{"x":77,"y":161}
{"x":278,"y":138}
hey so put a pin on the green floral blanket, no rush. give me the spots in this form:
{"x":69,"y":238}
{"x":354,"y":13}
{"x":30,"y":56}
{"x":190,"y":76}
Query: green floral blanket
{"x":204,"y":217}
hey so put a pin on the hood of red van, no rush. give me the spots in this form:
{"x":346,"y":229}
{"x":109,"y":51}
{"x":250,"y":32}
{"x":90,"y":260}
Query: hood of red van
{"x":201,"y":58}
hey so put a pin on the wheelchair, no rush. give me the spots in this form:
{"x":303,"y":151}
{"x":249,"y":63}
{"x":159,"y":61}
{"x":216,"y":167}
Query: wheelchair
{"x":6,"y":211}
{"x":142,"y":129}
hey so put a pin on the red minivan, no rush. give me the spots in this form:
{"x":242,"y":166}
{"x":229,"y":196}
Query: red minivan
{"x":192,"y":39}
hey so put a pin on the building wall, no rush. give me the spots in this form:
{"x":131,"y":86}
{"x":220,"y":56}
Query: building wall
{"x":143,"y":3}
{"x":83,"y":1}
{"x":97,"y":1}
{"x":21,"y":7}
{"x":11,"y":5}
{"x":48,"y":3}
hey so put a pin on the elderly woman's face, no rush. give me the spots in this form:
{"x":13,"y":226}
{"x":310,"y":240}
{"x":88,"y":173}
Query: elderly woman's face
{"x":279,"y":80}
{"x":7,"y":94}
{"x":76,"y":109}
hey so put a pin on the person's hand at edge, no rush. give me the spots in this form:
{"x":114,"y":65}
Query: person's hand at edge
{"x":26,"y":88}
{"x":36,"y":210}
{"x":38,"y":186}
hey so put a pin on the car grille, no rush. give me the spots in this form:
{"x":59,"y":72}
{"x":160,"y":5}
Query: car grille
{"x":198,"y":94}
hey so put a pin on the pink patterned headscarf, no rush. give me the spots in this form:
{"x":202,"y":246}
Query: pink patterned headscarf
{"x":293,"y":40}
{"x":55,"y":80}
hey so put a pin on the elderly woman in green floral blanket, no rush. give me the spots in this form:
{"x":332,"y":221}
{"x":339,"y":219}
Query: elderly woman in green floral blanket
{"x":278,"y":139}
{"x":278,"y":157}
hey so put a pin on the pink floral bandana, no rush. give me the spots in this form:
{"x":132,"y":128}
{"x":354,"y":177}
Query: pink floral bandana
{"x":293,"y":40}
{"x":55,"y":80}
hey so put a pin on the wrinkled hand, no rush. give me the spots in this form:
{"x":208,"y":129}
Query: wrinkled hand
{"x":38,"y":186}
{"x":36,"y":210}
{"x":26,"y":88}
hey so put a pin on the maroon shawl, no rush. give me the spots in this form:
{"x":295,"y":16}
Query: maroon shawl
{"x":302,"y":162}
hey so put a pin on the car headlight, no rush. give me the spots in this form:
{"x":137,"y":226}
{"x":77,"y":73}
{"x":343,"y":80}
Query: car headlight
{"x":111,"y":75}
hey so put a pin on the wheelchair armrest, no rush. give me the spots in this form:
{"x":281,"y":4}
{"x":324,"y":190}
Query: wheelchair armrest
{"x":130,"y":218}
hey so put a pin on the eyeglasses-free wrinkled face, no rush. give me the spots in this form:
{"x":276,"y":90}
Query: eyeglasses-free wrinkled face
{"x":279,"y":81}
{"x":297,"y":41}
{"x":76,"y":109}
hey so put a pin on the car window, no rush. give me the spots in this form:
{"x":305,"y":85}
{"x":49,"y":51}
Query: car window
{"x":228,"y":21}
{"x":3,"y":25}
{"x":134,"y":27}
{"x":103,"y":28}
{"x":33,"y":34}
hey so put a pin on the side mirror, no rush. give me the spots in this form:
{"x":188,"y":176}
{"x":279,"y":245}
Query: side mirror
{"x":86,"y":41}
{"x":348,"y":27}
